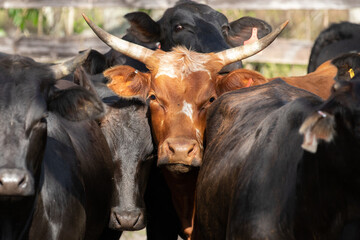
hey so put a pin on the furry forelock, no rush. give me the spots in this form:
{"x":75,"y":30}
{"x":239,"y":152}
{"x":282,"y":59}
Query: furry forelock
{"x":181,"y":62}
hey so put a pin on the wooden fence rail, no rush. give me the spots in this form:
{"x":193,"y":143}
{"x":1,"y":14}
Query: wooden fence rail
{"x":47,"y":49}
{"x":161,"y":4}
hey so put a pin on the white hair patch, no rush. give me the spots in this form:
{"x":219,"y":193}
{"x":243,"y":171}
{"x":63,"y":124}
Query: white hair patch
{"x":187,"y":110}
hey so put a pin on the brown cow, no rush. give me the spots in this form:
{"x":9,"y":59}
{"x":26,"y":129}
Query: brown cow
{"x":181,"y":85}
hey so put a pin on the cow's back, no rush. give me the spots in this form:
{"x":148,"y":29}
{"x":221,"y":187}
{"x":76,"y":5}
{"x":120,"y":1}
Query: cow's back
{"x":238,"y":113}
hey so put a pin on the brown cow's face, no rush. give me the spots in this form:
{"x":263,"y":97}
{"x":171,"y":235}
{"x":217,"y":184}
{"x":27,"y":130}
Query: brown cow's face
{"x":179,"y":90}
{"x":178,"y":113}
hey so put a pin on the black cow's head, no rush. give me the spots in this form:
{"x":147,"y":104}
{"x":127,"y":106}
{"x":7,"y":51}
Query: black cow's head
{"x":127,"y":131}
{"x":337,"y":120}
{"x":27,"y":95}
{"x":196,"y":26}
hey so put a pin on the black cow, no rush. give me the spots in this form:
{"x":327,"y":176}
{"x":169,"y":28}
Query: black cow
{"x":127,"y":131}
{"x":258,"y":182}
{"x":55,"y":166}
{"x":337,"y":39}
{"x":194,"y":25}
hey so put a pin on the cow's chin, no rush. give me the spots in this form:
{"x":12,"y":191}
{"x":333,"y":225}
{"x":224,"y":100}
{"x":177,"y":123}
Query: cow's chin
{"x":178,"y":168}
{"x":174,"y":166}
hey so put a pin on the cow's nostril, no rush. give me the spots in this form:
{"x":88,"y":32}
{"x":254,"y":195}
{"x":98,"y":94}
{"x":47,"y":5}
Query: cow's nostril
{"x":191,"y":150}
{"x":172,"y":150}
{"x":22,"y":182}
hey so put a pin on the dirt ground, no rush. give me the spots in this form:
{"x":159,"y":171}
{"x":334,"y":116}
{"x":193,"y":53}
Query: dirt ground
{"x":136,"y":235}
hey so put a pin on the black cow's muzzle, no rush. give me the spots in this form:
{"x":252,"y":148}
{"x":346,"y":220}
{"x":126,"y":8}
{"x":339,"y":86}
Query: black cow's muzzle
{"x":127,"y":220}
{"x":16,"y":182}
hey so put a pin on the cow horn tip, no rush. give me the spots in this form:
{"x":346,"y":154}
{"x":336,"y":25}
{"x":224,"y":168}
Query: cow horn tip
{"x":85,"y":17}
{"x":285,"y":24}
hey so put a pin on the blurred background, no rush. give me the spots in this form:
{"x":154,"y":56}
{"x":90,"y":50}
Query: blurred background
{"x":53,"y":30}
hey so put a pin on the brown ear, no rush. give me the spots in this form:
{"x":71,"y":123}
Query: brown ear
{"x":127,"y":82}
{"x":237,"y":79}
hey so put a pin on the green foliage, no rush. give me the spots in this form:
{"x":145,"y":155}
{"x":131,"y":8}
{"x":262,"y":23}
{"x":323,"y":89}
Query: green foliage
{"x":79,"y":25}
{"x":21,"y":17}
{"x":271,"y":70}
{"x":148,"y":11}
{"x":2,"y":32}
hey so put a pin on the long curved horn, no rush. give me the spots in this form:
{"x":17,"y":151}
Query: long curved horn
{"x":129,"y":49}
{"x":63,"y":69}
{"x":238,"y":53}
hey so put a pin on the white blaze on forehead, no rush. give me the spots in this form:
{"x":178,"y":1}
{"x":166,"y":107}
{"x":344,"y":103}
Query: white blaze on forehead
{"x":187,"y":110}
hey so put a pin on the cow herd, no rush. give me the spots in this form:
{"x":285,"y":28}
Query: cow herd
{"x":167,"y":131}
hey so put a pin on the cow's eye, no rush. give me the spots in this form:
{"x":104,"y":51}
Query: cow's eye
{"x":152,"y":97}
{"x":178,"y":28}
{"x":212,"y":99}
{"x":43,"y":120}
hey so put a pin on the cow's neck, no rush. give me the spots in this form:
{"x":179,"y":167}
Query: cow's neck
{"x":16,"y":215}
{"x":182,"y":187}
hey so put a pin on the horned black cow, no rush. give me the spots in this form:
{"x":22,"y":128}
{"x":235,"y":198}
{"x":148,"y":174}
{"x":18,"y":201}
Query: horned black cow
{"x":55,"y":166}
{"x":127,"y":131}
{"x":193,"y":25}
{"x":257,"y":182}
{"x":337,"y":39}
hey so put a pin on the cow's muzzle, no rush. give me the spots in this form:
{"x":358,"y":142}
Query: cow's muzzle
{"x":16,"y":182}
{"x":180,"y":151}
{"x":127,"y":220}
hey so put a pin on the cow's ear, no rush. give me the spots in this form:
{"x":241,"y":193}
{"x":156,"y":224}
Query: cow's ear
{"x":242,"y":30}
{"x":81,"y":78}
{"x":143,"y":27}
{"x":127,"y":82}
{"x":320,"y":125}
{"x":237,"y":79}
{"x":95,"y":63}
{"x":75,"y":104}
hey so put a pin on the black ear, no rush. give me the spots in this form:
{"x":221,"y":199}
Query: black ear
{"x":95,"y":62}
{"x":82,"y":79}
{"x":143,"y":27}
{"x":76,"y":104}
{"x":348,"y":65}
{"x":241,"y":30}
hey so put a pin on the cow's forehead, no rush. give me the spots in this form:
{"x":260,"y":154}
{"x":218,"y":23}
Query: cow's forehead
{"x":188,"y":11}
{"x":194,"y":88}
{"x":181,"y":63}
{"x":21,"y":90}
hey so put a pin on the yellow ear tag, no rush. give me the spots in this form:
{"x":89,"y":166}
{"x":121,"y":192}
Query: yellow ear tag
{"x":351,"y":72}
